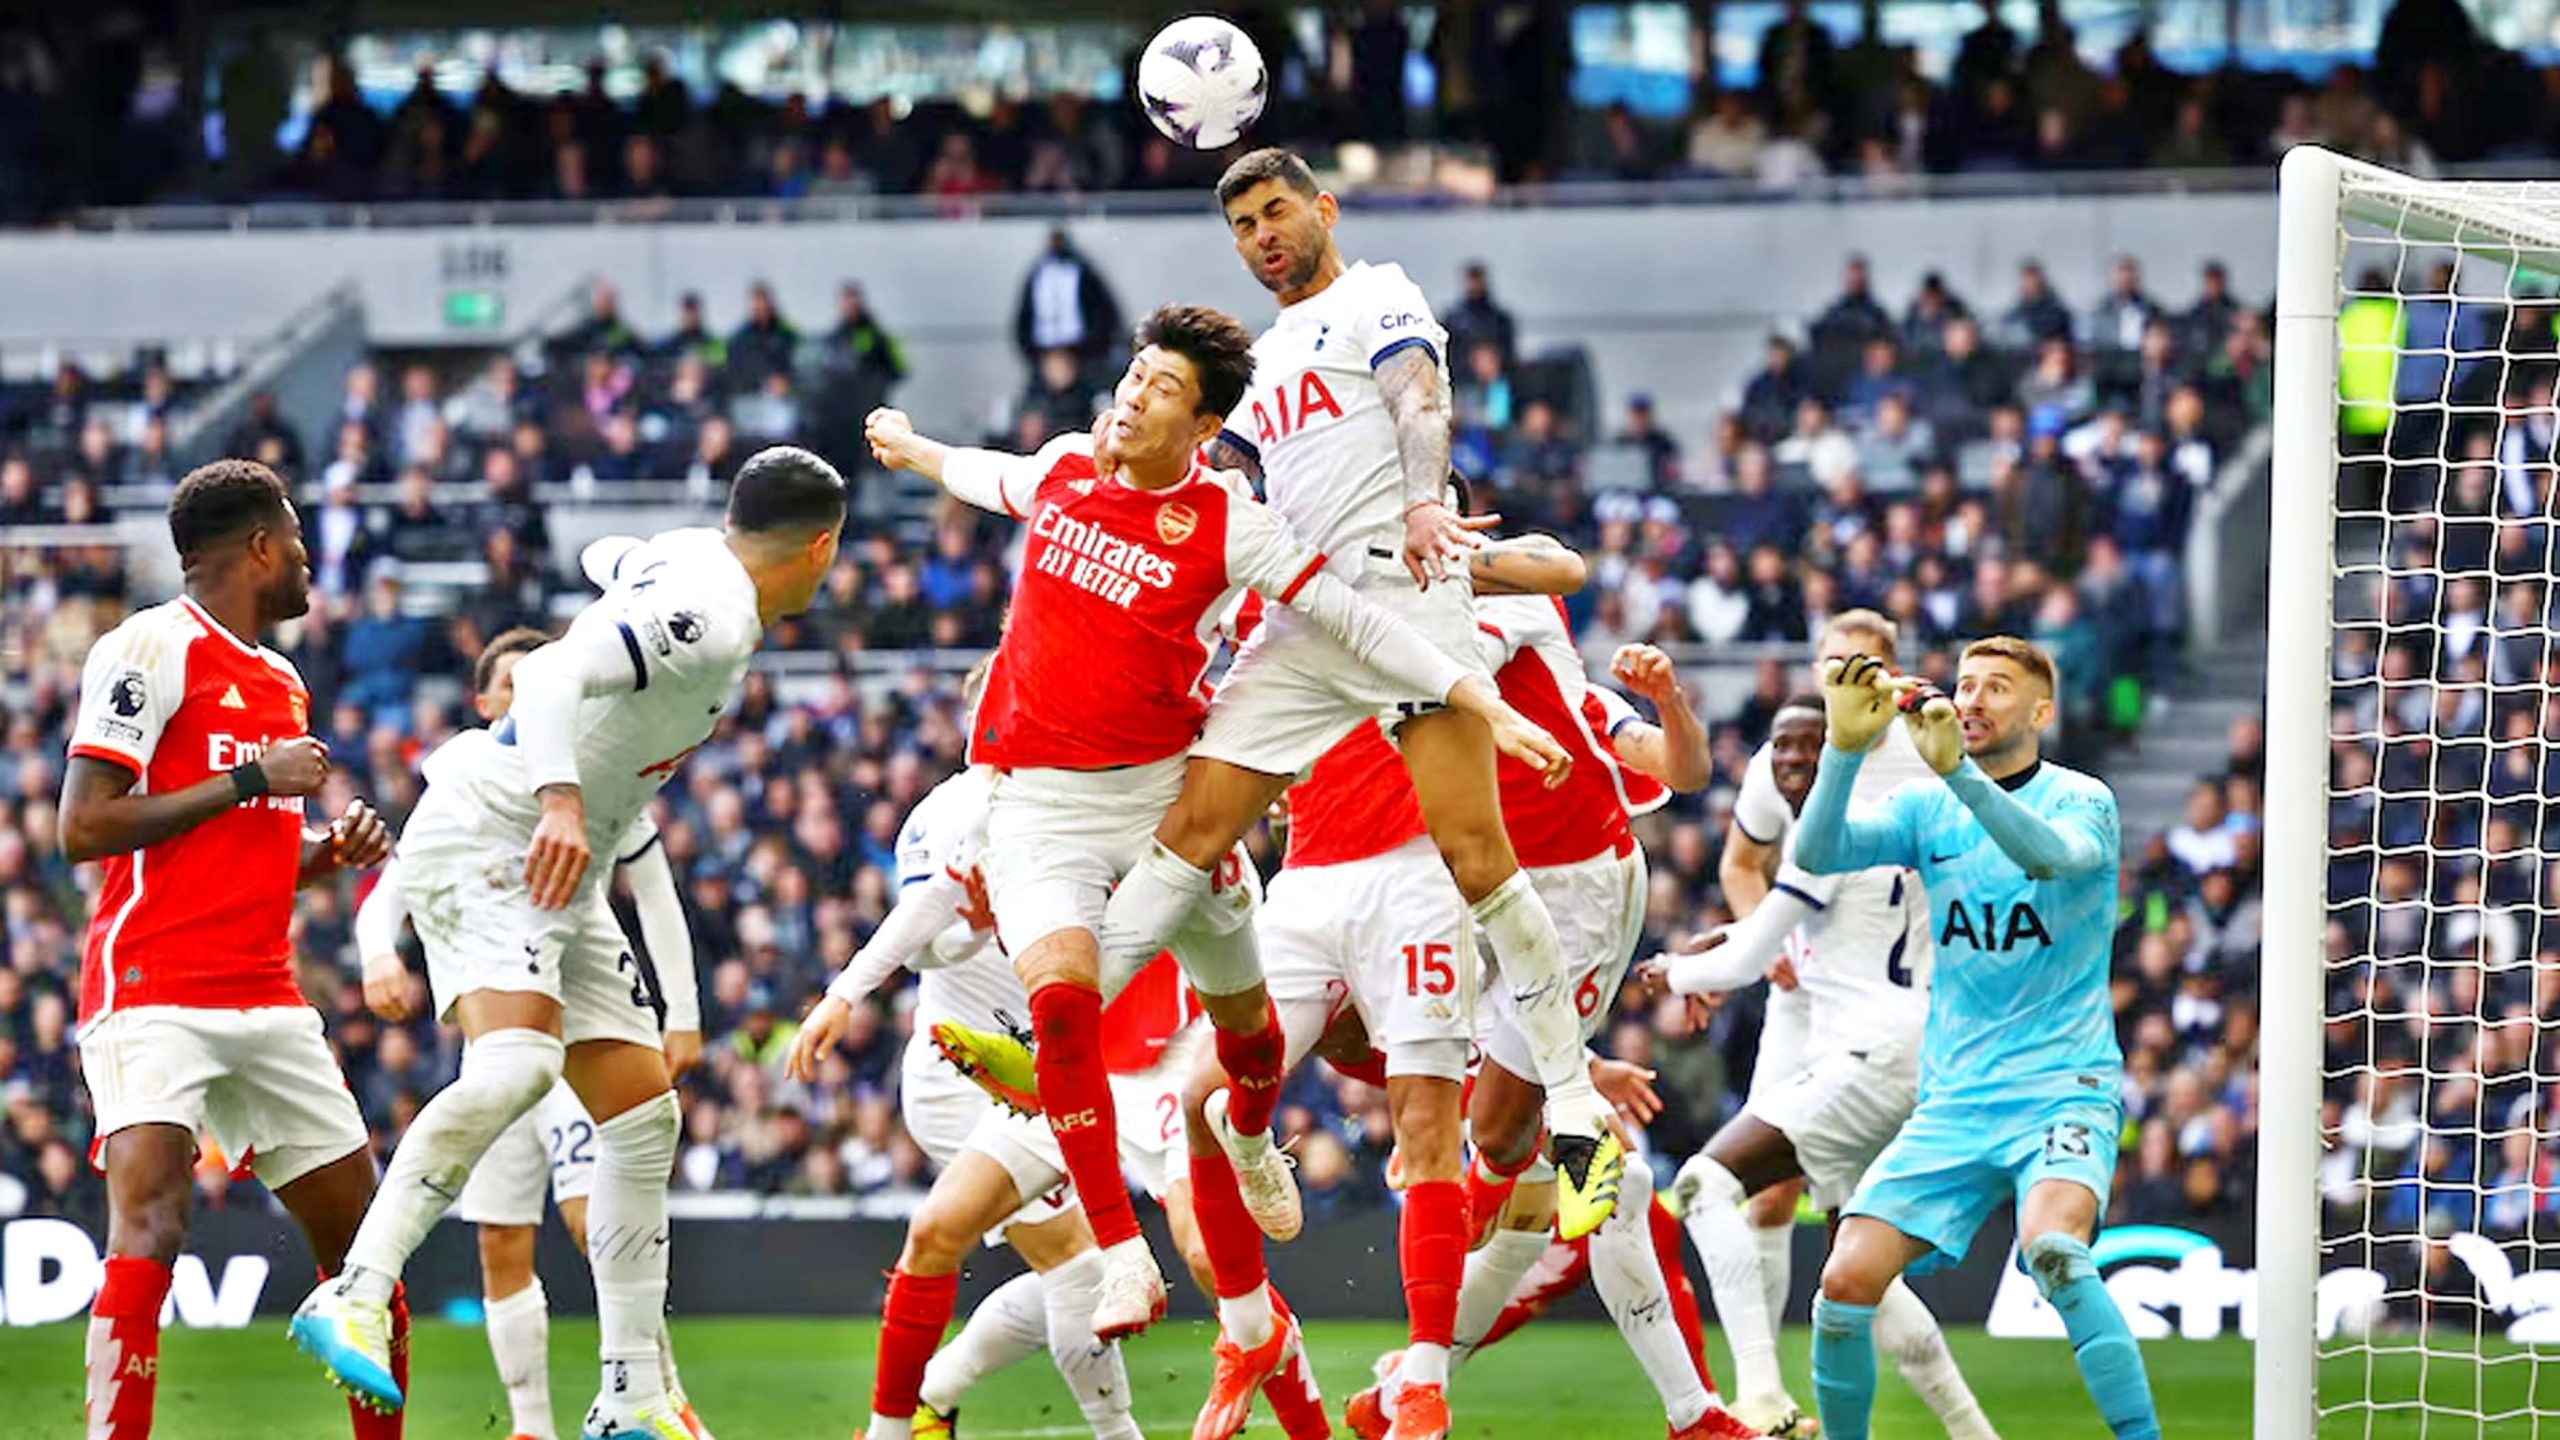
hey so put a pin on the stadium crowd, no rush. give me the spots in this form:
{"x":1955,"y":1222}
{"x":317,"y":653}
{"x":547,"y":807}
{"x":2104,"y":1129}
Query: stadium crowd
{"x":1963,"y":464}
{"x":2437,"y":90}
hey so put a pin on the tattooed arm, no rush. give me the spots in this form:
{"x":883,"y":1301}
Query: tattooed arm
{"x":1228,"y":452}
{"x":1417,"y":398}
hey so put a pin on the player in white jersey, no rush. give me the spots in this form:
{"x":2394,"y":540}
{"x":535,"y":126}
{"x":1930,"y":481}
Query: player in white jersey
{"x":1752,"y":845}
{"x":551,"y":1148}
{"x":1347,"y":426}
{"x":522,"y":949}
{"x":1860,"y":948}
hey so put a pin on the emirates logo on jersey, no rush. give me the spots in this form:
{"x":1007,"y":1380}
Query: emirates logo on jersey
{"x":1175,"y":521}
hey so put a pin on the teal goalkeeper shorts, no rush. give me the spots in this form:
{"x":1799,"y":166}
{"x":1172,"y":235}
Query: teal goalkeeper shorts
{"x":1955,"y":1161}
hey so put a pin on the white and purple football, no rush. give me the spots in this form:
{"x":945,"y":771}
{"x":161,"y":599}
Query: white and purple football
{"x":1201,"y":82}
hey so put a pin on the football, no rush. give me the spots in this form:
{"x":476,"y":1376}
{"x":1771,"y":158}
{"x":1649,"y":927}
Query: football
{"x":1201,"y":82}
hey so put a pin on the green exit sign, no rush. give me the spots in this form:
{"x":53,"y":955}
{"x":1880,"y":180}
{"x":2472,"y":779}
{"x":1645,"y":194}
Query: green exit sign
{"x":473,"y":309}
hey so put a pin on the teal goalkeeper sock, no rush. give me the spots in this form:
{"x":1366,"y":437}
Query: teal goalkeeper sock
{"x":2110,"y":1361}
{"x":1844,"y":1367}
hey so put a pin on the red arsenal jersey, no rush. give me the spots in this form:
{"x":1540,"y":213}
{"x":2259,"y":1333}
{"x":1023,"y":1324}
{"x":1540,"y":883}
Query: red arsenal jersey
{"x":199,"y":919}
{"x":1356,"y":802}
{"x":1530,"y":651}
{"x":1116,"y":609}
{"x":1144,"y":1017}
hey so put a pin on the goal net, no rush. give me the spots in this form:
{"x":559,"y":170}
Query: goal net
{"x":2408,"y":1212}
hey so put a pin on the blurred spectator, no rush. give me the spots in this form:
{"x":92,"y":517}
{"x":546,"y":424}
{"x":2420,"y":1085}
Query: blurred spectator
{"x":1067,"y":305}
{"x":1476,"y":320}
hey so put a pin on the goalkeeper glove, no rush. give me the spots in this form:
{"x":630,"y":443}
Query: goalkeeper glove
{"x":1856,"y":701}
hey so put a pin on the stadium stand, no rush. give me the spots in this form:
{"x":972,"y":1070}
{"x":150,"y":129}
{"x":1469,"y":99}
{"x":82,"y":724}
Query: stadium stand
{"x":1965,"y":463}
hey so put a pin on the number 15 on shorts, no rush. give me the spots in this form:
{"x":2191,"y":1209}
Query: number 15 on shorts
{"x":1430,"y":968}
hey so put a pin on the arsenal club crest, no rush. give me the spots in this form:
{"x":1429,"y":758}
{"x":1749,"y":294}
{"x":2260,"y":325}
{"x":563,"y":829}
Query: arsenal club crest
{"x":1175,"y":521}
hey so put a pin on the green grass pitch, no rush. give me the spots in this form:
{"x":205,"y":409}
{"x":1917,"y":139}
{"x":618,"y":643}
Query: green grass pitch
{"x":810,"y":1380}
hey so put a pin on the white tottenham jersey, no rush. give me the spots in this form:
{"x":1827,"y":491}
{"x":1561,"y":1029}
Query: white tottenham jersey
{"x":1763,"y":814}
{"x":471,"y":750}
{"x":683,"y":611}
{"x":1863,"y":958}
{"x":937,"y":846}
{"x":1320,"y":427}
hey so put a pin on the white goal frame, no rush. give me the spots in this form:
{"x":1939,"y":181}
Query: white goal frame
{"x":2320,"y":192}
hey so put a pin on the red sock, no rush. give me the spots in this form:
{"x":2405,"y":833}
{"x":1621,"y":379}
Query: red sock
{"x":370,"y":1424}
{"x":918,"y":1310}
{"x":124,"y":1348}
{"x":1432,"y":1243}
{"x":1233,"y":1241}
{"x":1295,"y":1401}
{"x":1253,"y":1065}
{"x":1557,"y":1274}
{"x":1684,"y":1296}
{"x":1075,"y":1090}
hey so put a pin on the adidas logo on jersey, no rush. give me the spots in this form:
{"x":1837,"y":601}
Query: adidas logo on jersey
{"x":231,"y":699}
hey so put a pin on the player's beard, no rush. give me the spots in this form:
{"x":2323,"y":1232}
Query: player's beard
{"x":1302,"y":269}
{"x":290,"y":597}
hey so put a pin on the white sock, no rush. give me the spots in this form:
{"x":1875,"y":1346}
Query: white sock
{"x":1492,"y":1278}
{"x":1524,"y":940}
{"x":889,"y":1427}
{"x":504,"y":1074}
{"x":667,"y":1363}
{"x":1247,"y":1318}
{"x":520,"y":1341}
{"x":627,"y":1244}
{"x":1731,"y":1250}
{"x":1423,"y":1365}
{"x":1777,"y":1268}
{"x":1628,"y":1275}
{"x":1908,"y":1335}
{"x":1091,"y":1368}
{"x":1008,"y":1327}
{"x":1149,"y":904}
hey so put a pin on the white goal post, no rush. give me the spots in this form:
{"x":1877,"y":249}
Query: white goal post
{"x":2411,"y":584}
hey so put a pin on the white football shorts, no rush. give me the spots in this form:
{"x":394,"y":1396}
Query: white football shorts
{"x":945,"y":1113}
{"x":549,"y":1150}
{"x":1293,"y":691}
{"x":261,"y":1082}
{"x":1388,"y":936}
{"x":1839,"y":1111}
{"x":479,"y":927}
{"x":1598,"y":905}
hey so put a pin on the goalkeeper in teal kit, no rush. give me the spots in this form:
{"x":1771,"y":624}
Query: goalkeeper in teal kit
{"x":2019,"y":1067}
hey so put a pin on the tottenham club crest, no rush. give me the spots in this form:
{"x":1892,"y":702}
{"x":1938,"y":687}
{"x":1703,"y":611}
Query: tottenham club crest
{"x":1175,"y":521}
{"x":126,"y":697}
{"x":685,"y":625}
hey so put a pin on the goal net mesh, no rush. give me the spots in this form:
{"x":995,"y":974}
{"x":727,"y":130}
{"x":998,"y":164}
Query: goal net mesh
{"x":2439,"y":1297}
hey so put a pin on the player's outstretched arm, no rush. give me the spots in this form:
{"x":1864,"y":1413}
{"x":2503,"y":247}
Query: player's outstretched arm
{"x":989,"y":479}
{"x":659,"y":906}
{"x":386,"y":980}
{"x":1527,"y":565}
{"x":590,"y":658}
{"x":2079,"y":837}
{"x":1675,"y":751}
{"x":1394,"y":648}
{"x":1734,"y":955}
{"x":1417,"y":400}
{"x":102,"y":815}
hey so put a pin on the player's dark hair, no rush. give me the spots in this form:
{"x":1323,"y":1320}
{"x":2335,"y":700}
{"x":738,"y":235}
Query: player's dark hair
{"x":1271,"y":162}
{"x":522,"y":640}
{"x":1218,"y":346}
{"x":219,"y":500}
{"x":786,"y":488}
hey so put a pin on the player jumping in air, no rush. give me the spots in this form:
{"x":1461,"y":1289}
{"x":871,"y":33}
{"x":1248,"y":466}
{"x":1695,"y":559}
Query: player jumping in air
{"x":1348,"y":428}
{"x":522,"y":947}
{"x":1134,"y":553}
{"x":2019,"y":1065}
{"x":1860,"y":948}
{"x":552,"y":1146}
{"x":189,"y":764}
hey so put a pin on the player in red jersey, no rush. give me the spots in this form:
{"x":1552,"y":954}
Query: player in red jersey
{"x":1095,"y":697}
{"x":1579,"y":851}
{"x":189,"y":765}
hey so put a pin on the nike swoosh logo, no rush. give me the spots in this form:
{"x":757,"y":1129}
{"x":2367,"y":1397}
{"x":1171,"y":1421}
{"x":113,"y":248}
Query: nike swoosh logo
{"x":1936,"y":859}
